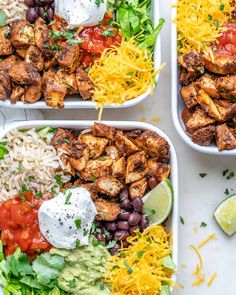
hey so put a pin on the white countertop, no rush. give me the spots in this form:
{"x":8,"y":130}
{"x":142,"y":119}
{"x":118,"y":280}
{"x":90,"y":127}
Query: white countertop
{"x":198,"y":196}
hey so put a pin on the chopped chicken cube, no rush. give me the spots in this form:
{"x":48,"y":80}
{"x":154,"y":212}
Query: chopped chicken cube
{"x":136,"y":167}
{"x":227,"y":86}
{"x":85,"y":85}
{"x":138,"y":188}
{"x":157,"y":169}
{"x":192,"y":61}
{"x":125,"y":146}
{"x":68,"y":80}
{"x":3,"y":93}
{"x":42,"y":38}
{"x":96,"y":144}
{"x":5,"y":42}
{"x":112,"y":152}
{"x":189,"y":95}
{"x":22,"y":34}
{"x":204,"y":136}
{"x":199,"y":119}
{"x":106,"y":210}
{"x":226,"y":109}
{"x":68,"y":57}
{"x":80,"y":157}
{"x":23,"y":73}
{"x":103,"y":130}
{"x":223,"y":64}
{"x":5,"y":80}
{"x":108,"y":185}
{"x":34,"y":92}
{"x":225,"y":139}
{"x":97,"y":168}
{"x":186,"y":114}
{"x":34,"y":57}
{"x":208,"y":84}
{"x":118,"y":169}
{"x":17,"y":94}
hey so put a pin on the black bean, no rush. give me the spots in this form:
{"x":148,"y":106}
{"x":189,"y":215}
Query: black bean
{"x":111,"y":226}
{"x":43,"y":13}
{"x":39,"y":3}
{"x":115,"y":249}
{"x":144,"y":222}
{"x":126,"y":204}
{"x":31,"y":15}
{"x":124,"y":215}
{"x":137,"y":204}
{"x":134,"y":218}
{"x":124,"y":194}
{"x":48,"y":1}
{"x":30,"y":3}
{"x":152,"y":182}
{"x":125,"y":244}
{"x":53,"y":5}
{"x":100,"y":237}
{"x":121,"y":235}
{"x":124,"y":225}
{"x":50,"y":14}
{"x":133,"y":229}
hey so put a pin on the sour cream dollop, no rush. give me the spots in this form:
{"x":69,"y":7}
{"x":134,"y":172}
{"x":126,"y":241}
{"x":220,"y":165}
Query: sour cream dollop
{"x":81,"y":12}
{"x":65,"y":221}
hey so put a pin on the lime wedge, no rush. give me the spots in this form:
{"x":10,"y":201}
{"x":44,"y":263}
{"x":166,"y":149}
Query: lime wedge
{"x":225,"y":215}
{"x":158,"y":203}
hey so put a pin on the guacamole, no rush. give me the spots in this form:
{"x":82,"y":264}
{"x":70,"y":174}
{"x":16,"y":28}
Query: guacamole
{"x":83,"y":271}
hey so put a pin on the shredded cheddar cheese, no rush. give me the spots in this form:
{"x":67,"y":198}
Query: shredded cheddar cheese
{"x":212,"y":279}
{"x":139,"y":268}
{"x":122,"y":73}
{"x":211,"y":237}
{"x":200,"y":22}
{"x":200,"y":277}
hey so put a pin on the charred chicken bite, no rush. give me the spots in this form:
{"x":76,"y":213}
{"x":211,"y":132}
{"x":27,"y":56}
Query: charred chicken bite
{"x":117,"y":167}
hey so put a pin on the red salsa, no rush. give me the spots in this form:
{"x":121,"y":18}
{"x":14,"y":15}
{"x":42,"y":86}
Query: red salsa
{"x":19,"y":225}
{"x":226,"y":43}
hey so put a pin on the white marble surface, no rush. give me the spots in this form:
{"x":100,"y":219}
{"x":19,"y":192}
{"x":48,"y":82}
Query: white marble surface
{"x":198,"y":196}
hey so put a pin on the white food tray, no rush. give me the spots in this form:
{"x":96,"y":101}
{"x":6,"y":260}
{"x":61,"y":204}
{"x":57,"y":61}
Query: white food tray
{"x":173,"y":221}
{"x":76,"y":102}
{"x":177,"y":104}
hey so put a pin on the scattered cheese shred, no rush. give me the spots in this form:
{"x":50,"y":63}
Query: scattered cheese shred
{"x":200,"y":278}
{"x":211,"y":237}
{"x":155,"y":119}
{"x":200,"y":22}
{"x":212,"y":279}
{"x":139,"y":268}
{"x":122,"y":73}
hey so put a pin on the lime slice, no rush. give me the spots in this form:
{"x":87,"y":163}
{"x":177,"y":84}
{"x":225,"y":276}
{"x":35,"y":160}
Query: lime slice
{"x":225,"y":215}
{"x":158,"y":203}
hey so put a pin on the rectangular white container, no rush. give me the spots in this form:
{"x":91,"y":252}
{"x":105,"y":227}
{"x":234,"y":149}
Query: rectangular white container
{"x":76,"y":102}
{"x":172,"y":223}
{"x":177,"y":104}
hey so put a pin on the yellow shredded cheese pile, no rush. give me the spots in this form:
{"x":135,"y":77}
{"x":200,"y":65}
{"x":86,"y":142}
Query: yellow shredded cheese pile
{"x":122,"y":73}
{"x":200,"y":22}
{"x":139,"y":269}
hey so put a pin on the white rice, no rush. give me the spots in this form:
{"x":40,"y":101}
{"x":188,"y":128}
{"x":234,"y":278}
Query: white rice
{"x":31,"y":162}
{"x":14,"y":9}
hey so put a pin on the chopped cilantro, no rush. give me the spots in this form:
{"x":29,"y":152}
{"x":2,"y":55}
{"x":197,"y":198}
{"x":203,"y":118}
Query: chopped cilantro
{"x":71,"y":283}
{"x":116,"y":267}
{"x":102,"y":159}
{"x":111,"y":244}
{"x":108,"y":33}
{"x":222,"y":6}
{"x":3,"y":18}
{"x":225,"y":172}
{"x":209,"y":17}
{"x":78,"y":223}
{"x":30,"y":178}
{"x":93,"y":179}
{"x":181,"y":220}
{"x":66,"y":140}
{"x":150,"y":212}
{"x":95,"y":241}
{"x":73,"y":42}
{"x":99,"y":2}
{"x":233,"y":100}
{"x":19,"y":165}
{"x":77,"y":244}
{"x":58,"y":180}
{"x":226,"y":192}
{"x":128,"y":267}
{"x":202,"y":175}
{"x":230,"y":175}
{"x":203,"y":224}
{"x":38,"y":196}
{"x":140,"y":254}
{"x":139,"y":235}
{"x":67,"y":202}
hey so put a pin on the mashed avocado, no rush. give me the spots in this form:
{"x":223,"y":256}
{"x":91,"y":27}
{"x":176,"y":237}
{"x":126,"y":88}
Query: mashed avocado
{"x":83,"y":271}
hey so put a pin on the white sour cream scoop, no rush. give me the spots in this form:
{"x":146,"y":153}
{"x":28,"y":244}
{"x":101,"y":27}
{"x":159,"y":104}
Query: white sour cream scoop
{"x":81,"y":12}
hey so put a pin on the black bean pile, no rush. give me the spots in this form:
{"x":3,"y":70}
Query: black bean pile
{"x":40,"y":8}
{"x":129,"y":220}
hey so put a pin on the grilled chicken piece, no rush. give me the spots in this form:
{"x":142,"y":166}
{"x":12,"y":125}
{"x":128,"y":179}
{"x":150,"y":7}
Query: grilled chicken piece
{"x":223,"y":64}
{"x":97,"y":168}
{"x":3,"y":93}
{"x":208,"y":84}
{"x":185,"y":77}
{"x":208,"y":105}
{"x":226,"y":109}
{"x":157,"y":169}
{"x":227,"y":86}
{"x":42,"y":38}
{"x":67,"y":167}
{"x":136,"y":167}
{"x":103,"y":130}
{"x":85,"y":85}
{"x":118,"y":169}
{"x":23,"y":73}
{"x":22,"y":52}
{"x":34,"y":57}
{"x":154,"y":145}
{"x":189,"y":95}
{"x":224,"y":138}
{"x":17,"y":94}
{"x":80,"y":157}
{"x":48,"y":63}
{"x":186,"y":115}
{"x":198,"y":120}
{"x":53,"y":89}
{"x":192,"y":61}
{"x":108,"y":185}
{"x":69,"y":80}
{"x":138,"y":188}
{"x":96,"y":145}
{"x":106,"y":210}
{"x":204,"y":136}
{"x":63,"y":139}
{"x":112,"y":151}
{"x":68,"y":57}
{"x":34,"y":92}
{"x":125,"y":146}
{"x":22,"y":34}
{"x":5,"y":80}
{"x":5,"y":42}
{"x":8,"y":62}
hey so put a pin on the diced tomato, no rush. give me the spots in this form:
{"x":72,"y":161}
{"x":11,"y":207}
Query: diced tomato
{"x":19,"y":225}
{"x":226,"y":43}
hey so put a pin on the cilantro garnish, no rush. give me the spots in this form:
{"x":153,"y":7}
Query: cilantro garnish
{"x":128,"y":267}
{"x":181,"y":220}
{"x":202,"y":175}
{"x":67,"y":202}
{"x":78,"y":223}
{"x":3,"y":18}
{"x":203,"y":224}
{"x":108,"y":33}
{"x":58,"y":180}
